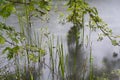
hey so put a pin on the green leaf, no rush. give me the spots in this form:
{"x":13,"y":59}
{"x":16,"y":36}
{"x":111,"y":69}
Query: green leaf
{"x":6,"y":10}
{"x":114,"y":42}
{"x":2,"y":40}
{"x":10,"y":55}
{"x":15,"y":40}
{"x":6,"y":49}
{"x":61,"y":14}
{"x":31,"y":6}
{"x":10,"y":52}
{"x":47,"y":8}
{"x":94,"y":10}
{"x":42,"y":52}
{"x":2,"y":1}
{"x":33,"y":57}
{"x":15,"y":49}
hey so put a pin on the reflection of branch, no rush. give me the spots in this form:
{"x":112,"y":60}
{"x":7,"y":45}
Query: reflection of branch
{"x":10,"y":42}
{"x":35,"y":51}
{"x":40,"y":11}
{"x":49,"y":68}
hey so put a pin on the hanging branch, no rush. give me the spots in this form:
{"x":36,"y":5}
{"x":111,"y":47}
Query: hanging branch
{"x":94,"y":17}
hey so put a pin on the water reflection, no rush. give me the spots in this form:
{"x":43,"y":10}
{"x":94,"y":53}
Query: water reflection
{"x":109,"y":11}
{"x":76,"y":58}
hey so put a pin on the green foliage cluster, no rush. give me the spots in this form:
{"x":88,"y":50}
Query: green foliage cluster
{"x":78,"y":9}
{"x":8,"y":34}
{"x":8,"y":7}
{"x":15,"y":39}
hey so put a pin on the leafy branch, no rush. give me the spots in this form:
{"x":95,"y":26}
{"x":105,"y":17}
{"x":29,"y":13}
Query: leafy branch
{"x":14,"y":39}
{"x":79,"y":8}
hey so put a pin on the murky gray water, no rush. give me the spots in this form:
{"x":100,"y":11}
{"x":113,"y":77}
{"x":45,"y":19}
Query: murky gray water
{"x":109,"y":11}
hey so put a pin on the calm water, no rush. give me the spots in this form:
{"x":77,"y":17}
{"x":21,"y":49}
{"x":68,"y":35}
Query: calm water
{"x":109,"y":11}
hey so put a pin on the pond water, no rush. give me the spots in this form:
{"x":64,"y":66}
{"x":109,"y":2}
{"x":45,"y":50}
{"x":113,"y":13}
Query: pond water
{"x":108,"y":10}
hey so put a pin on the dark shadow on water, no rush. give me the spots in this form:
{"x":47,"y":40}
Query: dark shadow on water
{"x":75,"y":55}
{"x":111,"y":68}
